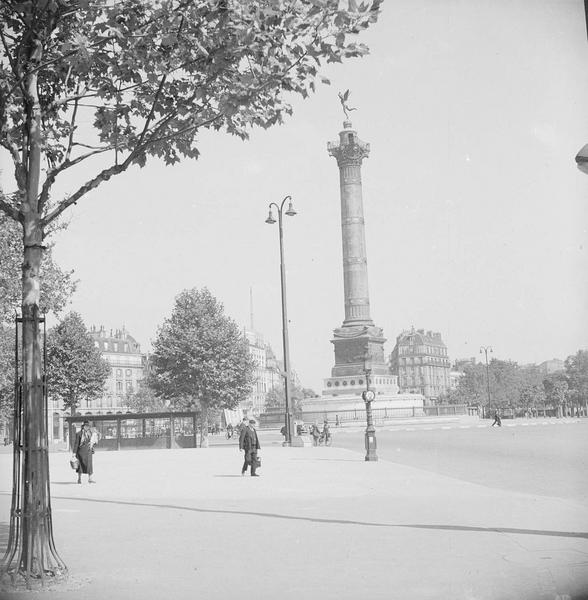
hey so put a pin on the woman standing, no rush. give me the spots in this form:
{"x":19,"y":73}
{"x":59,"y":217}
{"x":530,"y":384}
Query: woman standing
{"x":83,"y":450}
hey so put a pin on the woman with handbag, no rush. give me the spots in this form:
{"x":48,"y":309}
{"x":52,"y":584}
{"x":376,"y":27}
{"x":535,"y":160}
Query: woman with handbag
{"x":83,"y":451}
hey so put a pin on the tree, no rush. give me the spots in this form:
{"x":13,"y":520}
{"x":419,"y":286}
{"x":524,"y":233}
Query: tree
{"x":576,"y":370}
{"x":556,"y":390}
{"x":144,"y":399}
{"x":275,"y":398}
{"x":151,"y":74}
{"x":510,"y":385}
{"x":76,"y":370}
{"x":200,"y":357}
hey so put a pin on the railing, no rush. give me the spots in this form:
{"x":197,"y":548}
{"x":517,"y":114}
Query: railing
{"x":380,"y":415}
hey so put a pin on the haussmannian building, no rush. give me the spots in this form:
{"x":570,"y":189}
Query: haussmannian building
{"x":127,"y":367}
{"x":266,"y":375}
{"x":127,"y":370}
{"x":420,"y":361}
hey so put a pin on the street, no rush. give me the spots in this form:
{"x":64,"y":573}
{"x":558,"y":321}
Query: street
{"x":547,"y":460}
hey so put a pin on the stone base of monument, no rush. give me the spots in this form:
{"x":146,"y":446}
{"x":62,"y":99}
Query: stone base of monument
{"x":301,"y":440}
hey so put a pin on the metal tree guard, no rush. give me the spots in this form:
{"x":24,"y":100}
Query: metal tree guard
{"x":30,"y":554}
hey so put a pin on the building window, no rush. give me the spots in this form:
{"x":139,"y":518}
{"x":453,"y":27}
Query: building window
{"x":119,"y":387}
{"x":128,"y":372}
{"x":119,"y":372}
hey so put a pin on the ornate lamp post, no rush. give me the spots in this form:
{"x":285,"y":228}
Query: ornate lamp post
{"x":582,"y":159}
{"x":487,"y":349}
{"x":369,"y":396}
{"x":270,"y":220}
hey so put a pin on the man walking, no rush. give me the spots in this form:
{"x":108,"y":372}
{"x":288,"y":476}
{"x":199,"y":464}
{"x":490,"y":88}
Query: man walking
{"x":250,"y":446}
{"x":497,"y":420}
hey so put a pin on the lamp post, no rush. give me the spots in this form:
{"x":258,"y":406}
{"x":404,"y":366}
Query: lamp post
{"x":369,"y":396}
{"x":487,"y":349}
{"x":270,"y":220}
{"x":582,"y":159}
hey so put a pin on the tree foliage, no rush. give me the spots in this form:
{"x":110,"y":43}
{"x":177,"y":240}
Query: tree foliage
{"x":526,"y":387}
{"x":576,"y":370}
{"x":151,"y":74}
{"x":76,"y":370}
{"x":144,"y":399}
{"x":57,"y":285}
{"x":276,"y":398}
{"x":200,"y":355}
{"x":6,"y":371}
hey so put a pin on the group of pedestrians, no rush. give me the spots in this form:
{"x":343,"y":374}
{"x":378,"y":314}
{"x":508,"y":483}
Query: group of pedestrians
{"x":319,"y":436}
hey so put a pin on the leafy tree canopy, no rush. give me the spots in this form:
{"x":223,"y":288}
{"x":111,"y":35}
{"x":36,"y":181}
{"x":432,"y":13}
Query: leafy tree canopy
{"x":275,"y":398}
{"x":144,"y":399}
{"x":200,"y":354}
{"x":76,"y":370}
{"x":57,"y":285}
{"x":576,"y":370}
{"x":150,"y":74}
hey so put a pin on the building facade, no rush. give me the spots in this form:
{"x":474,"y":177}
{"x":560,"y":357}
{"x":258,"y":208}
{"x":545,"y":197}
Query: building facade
{"x":420,"y":361}
{"x":266,"y":375}
{"x":127,"y":370}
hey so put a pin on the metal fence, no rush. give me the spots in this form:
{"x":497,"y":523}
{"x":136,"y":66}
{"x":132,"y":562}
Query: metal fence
{"x":380,"y":415}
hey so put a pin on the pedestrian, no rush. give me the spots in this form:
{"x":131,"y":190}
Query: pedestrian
{"x":315,"y":433}
{"x":250,"y":447}
{"x":242,"y":427}
{"x":337,"y":422}
{"x":497,"y":420}
{"x":83,"y":451}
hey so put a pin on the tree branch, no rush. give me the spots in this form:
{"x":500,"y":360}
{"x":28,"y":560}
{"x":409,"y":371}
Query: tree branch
{"x":19,"y":174}
{"x":66,"y":164}
{"x":8,"y":209}
{"x":103,"y":176}
{"x":152,"y":111}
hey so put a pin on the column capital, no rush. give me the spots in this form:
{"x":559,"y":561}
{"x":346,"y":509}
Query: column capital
{"x":349,"y":150}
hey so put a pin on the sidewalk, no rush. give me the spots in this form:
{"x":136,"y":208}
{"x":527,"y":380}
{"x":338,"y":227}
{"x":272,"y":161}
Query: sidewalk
{"x":318,"y":523}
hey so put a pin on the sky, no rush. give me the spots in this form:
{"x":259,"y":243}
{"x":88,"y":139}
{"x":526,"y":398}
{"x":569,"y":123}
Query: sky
{"x":476,"y":215}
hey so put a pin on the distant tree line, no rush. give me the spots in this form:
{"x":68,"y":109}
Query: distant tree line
{"x":525,"y":387}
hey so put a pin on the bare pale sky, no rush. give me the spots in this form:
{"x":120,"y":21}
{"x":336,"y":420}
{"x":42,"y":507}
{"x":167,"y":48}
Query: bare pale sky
{"x":476,"y":216}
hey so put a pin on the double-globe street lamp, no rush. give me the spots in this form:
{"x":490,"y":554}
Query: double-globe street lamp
{"x":485,"y":350}
{"x":270,"y":220}
{"x":369,"y":396}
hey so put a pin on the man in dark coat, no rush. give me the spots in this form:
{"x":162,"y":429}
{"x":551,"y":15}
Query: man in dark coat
{"x":250,"y":446}
{"x":497,"y":420}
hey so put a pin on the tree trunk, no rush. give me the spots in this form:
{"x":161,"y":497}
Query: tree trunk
{"x":31,"y":555}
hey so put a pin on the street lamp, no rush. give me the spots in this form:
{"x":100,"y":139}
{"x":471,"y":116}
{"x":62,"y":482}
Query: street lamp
{"x":270,"y":221}
{"x":582,"y":159}
{"x":369,"y":396}
{"x":487,"y":349}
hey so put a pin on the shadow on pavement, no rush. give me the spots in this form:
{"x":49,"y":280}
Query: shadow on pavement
{"x":433,"y":526}
{"x":64,"y":483}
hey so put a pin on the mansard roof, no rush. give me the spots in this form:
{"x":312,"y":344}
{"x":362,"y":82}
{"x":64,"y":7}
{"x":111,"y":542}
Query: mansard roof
{"x":421,"y":337}
{"x":127,"y":344}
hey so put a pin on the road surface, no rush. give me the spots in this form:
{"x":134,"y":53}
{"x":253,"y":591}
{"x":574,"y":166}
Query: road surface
{"x":547,"y":460}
